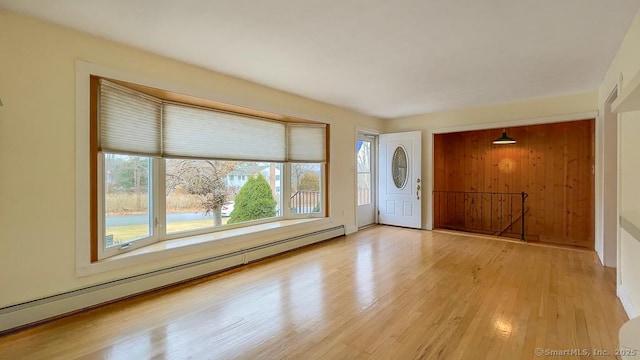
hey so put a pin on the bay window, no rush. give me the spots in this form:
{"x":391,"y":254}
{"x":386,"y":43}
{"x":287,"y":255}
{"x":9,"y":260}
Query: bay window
{"x":166,"y":169}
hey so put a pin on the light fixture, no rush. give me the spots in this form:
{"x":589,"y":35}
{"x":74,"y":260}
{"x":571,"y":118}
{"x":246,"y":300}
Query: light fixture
{"x":504,"y":139}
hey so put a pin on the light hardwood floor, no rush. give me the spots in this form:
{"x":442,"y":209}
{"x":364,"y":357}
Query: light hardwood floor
{"x":383,"y":293}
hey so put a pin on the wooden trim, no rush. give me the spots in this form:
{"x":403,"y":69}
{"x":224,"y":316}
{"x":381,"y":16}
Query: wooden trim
{"x":327,"y":170}
{"x":93,"y":165}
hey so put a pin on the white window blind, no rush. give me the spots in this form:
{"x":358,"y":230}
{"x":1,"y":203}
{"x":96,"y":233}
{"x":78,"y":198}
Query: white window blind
{"x":135,"y":123}
{"x":307,"y":142}
{"x":195,"y":132}
{"x":129,"y":121}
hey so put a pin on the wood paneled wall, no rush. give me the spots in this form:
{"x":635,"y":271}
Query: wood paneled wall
{"x":552,"y":163}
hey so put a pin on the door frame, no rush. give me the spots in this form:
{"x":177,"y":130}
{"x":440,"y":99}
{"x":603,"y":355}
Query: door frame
{"x":374,"y":175}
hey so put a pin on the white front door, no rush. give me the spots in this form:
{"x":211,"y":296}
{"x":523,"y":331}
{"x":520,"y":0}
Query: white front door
{"x":366,"y":191}
{"x":400,"y":180}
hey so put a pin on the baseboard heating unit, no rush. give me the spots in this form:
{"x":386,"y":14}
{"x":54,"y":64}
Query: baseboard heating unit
{"x":30,"y":312}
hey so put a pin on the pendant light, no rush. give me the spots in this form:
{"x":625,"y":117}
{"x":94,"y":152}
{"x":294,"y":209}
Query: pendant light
{"x":504,"y":139}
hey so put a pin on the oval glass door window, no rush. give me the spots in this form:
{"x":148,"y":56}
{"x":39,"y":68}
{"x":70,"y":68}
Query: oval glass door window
{"x":399,"y":167}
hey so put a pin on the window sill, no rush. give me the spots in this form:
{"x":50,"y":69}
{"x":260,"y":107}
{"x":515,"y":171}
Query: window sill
{"x":206,"y":245}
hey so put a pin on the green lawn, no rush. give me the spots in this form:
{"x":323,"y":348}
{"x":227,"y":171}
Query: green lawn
{"x":125,"y":233}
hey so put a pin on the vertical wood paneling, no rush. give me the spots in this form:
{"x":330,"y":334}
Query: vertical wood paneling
{"x":553,"y":163}
{"x":439,"y":174}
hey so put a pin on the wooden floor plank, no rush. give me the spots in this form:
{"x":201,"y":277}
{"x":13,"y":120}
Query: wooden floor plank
{"x":381,"y":293}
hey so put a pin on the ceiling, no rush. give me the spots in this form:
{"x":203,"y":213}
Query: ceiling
{"x":387,"y":59}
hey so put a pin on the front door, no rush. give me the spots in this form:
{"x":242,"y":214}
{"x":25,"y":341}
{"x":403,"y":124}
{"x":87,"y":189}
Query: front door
{"x":400,"y":180}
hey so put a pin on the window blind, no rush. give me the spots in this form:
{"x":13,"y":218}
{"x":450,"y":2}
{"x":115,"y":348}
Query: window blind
{"x":133,"y":122}
{"x":195,"y":132}
{"x":129,"y":121}
{"x":307,"y":142}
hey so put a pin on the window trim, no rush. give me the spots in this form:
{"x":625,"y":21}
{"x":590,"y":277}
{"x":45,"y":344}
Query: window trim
{"x":88,"y":75}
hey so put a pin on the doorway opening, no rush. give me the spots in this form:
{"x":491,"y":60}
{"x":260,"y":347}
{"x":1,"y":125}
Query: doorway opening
{"x":540,"y":188}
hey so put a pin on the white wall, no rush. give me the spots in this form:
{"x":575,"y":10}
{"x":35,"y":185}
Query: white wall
{"x":624,"y":67}
{"x":37,"y":147}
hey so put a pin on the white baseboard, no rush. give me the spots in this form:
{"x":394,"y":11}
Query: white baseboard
{"x":41,"y":309}
{"x":626,"y":303}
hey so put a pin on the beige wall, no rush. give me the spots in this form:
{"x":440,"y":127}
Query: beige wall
{"x":533,"y":111}
{"x":625,"y":66}
{"x":37,"y":146}
{"x":529,"y":109}
{"x":37,"y":142}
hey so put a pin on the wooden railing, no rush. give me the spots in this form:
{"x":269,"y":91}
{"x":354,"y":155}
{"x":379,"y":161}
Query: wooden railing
{"x":305,"y":202}
{"x":501,"y":214}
